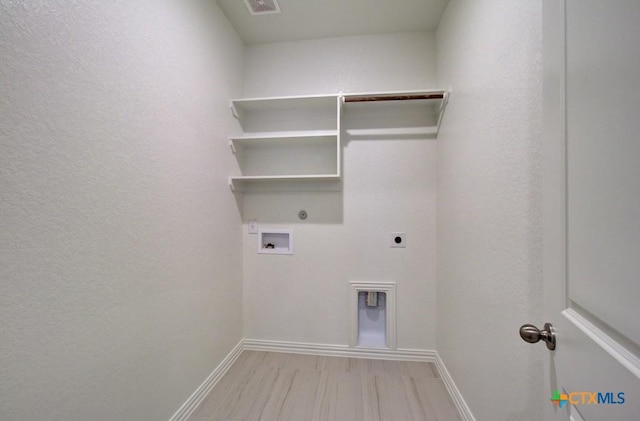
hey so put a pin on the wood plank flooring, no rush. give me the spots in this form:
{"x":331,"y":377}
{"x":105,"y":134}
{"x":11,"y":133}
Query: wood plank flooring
{"x":273,"y":386}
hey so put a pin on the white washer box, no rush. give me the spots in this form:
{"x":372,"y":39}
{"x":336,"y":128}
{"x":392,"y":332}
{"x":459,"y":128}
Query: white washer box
{"x":275,"y":241}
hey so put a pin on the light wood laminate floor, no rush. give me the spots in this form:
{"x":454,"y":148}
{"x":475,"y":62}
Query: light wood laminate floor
{"x":273,"y":386}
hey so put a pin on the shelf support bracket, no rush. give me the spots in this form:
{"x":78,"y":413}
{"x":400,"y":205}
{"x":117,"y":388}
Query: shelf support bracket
{"x":443,"y":106}
{"x":234,"y":111}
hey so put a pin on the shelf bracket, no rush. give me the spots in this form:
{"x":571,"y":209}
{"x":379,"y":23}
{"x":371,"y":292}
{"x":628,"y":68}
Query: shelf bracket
{"x":234,"y":111}
{"x":233,"y":147}
{"x":443,"y":105}
{"x":231,"y":186}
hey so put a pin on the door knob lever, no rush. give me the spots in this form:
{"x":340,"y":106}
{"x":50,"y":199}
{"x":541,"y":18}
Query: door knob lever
{"x":532,"y":334}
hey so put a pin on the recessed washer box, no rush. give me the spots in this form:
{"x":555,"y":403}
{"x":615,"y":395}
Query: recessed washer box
{"x":275,"y":241}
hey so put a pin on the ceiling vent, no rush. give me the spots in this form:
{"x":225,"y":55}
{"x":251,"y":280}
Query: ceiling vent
{"x":262,"y":7}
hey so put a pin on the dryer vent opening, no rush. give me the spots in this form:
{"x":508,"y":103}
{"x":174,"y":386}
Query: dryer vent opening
{"x":372,"y":320}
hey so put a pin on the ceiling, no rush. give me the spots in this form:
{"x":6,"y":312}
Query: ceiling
{"x":310,"y":19}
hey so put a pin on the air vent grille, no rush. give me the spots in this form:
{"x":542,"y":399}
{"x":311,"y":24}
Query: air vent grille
{"x":262,"y":7}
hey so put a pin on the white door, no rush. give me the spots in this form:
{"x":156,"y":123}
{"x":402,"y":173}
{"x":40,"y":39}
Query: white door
{"x":592,"y":208}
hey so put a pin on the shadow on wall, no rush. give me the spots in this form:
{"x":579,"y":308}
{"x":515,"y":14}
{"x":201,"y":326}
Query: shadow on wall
{"x":278,"y":206}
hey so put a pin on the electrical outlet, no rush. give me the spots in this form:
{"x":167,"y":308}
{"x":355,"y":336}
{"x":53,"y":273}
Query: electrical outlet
{"x":253,"y":226}
{"x":398,"y":239}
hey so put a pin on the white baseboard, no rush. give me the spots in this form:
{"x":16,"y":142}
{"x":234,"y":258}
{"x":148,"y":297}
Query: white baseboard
{"x":329,"y":350}
{"x":386,"y":354}
{"x":454,"y":392}
{"x":188,"y":408}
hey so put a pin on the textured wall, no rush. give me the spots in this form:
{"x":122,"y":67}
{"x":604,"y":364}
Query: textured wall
{"x":120,"y":278}
{"x":489,"y":205}
{"x":389,"y":186}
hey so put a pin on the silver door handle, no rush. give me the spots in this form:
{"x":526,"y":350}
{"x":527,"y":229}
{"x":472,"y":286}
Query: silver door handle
{"x":532,"y":334}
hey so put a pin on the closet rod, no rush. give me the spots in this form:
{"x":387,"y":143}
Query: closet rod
{"x":371,"y":98}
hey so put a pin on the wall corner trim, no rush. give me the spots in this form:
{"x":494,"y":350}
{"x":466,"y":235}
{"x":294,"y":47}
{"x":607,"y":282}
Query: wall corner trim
{"x":201,"y":393}
{"x":454,"y":392}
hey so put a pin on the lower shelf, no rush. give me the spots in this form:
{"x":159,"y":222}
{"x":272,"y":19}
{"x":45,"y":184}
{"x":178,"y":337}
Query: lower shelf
{"x":241,"y":182}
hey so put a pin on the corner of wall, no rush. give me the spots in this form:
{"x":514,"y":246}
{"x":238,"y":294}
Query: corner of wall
{"x":489,"y":204}
{"x":123,"y":255}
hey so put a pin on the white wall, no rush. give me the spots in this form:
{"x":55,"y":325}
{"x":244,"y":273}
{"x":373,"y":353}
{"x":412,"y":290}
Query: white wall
{"x":389,"y":186}
{"x":349,"y":64}
{"x":489,"y":205}
{"x":120,"y":243}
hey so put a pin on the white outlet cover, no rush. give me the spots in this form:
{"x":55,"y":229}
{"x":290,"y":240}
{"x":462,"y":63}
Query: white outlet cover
{"x":398,"y":239}
{"x":253,"y":226}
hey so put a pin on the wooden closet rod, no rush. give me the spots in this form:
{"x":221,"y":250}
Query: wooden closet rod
{"x":367,"y":98}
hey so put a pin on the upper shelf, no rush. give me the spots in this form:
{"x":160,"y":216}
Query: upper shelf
{"x":436,"y":98}
{"x":419,"y":112}
{"x":318,"y":112}
{"x":429,"y":95}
